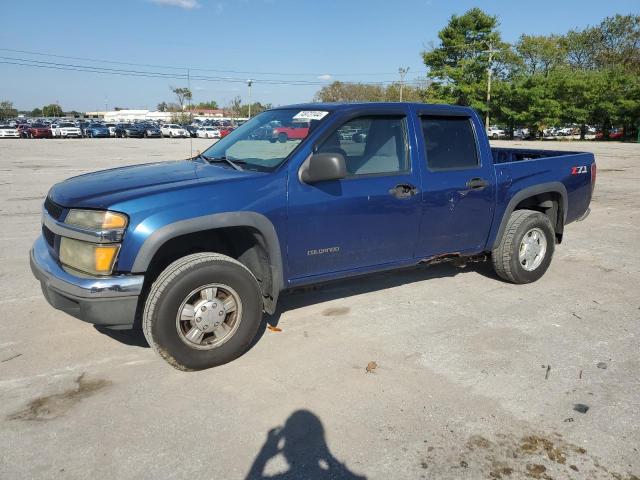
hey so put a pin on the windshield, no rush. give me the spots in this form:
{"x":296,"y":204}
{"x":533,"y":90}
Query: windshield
{"x":265,"y":141}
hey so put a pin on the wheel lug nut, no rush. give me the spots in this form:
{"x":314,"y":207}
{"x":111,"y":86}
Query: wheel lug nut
{"x":203,"y":308}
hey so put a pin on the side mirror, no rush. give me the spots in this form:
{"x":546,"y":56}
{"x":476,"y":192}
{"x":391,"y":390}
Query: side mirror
{"x":320,"y":167}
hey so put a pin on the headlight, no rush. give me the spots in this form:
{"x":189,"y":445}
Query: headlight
{"x":96,"y":259}
{"x":96,"y":220}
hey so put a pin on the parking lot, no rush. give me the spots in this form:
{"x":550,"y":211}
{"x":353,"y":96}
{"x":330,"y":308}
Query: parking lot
{"x":473,"y":377}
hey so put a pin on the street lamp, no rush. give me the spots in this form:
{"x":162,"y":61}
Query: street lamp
{"x":249,"y":83}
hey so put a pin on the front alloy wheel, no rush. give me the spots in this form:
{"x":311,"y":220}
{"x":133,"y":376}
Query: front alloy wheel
{"x":203,"y":310}
{"x":209,"y":316}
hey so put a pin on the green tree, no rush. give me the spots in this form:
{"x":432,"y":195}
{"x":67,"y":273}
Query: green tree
{"x":541,"y":54}
{"x":183,"y":95}
{"x":52,"y":110}
{"x":162,"y":107}
{"x":7,"y":110}
{"x":459,"y":65}
{"x":212,"y":105}
{"x":235,"y":106}
{"x":256,"y":108}
{"x":36,"y":112}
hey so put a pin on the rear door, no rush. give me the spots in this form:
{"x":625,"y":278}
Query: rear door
{"x":457,"y":186}
{"x":369,"y":218}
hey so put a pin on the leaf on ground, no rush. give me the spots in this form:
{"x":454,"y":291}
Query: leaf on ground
{"x":371,"y":366}
{"x":274,"y":329}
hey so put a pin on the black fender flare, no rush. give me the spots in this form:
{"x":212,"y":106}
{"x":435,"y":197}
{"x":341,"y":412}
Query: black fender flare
{"x":550,"y":187}
{"x":217,"y":220}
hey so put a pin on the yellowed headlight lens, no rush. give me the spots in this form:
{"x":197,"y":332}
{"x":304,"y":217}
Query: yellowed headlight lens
{"x":96,"y":219}
{"x":88,"y":257}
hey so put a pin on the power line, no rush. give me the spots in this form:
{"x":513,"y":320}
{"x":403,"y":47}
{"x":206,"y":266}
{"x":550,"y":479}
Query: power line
{"x":183,"y":68}
{"x":163,"y":75}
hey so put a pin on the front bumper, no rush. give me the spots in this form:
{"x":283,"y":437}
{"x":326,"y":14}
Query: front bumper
{"x":108,"y":301}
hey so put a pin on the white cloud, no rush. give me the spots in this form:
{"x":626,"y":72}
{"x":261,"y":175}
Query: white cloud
{"x":186,"y":4}
{"x":326,"y":76}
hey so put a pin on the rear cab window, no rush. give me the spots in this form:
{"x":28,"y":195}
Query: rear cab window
{"x":450,"y":143}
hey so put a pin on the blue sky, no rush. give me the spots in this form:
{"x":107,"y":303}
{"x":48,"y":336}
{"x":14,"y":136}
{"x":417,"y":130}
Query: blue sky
{"x":313,"y":41}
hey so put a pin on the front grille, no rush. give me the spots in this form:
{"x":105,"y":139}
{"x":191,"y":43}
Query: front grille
{"x":53,"y":209}
{"x":49,"y":236}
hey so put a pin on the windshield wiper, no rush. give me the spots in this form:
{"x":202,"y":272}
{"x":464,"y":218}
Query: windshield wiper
{"x":234,"y":164}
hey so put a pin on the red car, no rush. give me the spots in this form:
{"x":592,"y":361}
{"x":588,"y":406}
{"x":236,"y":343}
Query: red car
{"x":292,"y":132}
{"x":613,"y":135}
{"x":224,"y":131}
{"x":39,"y":131}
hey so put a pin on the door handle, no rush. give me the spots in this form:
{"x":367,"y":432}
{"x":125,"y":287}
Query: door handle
{"x":403,"y":190}
{"x":477,"y":183}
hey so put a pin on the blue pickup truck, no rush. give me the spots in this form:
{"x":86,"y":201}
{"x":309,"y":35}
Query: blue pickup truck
{"x":194,"y":251}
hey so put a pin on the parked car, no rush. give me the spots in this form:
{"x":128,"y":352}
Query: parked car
{"x":7,"y":131}
{"x":96,"y":130}
{"x":173,"y":130}
{"x":39,"y":130}
{"x":191,"y":129}
{"x":151,"y":131}
{"x":112,"y":128}
{"x":495,"y":133}
{"x":224,"y":131}
{"x":130,"y":130}
{"x":208,"y":132}
{"x":66,"y":130}
{"x":200,"y":248}
{"x":294,"y":131}
{"x":613,"y":135}
{"x":23,"y":130}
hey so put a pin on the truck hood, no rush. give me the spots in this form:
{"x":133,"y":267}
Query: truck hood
{"x":107,"y":187}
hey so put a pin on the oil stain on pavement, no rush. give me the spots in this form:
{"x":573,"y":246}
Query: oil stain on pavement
{"x":53,"y":406}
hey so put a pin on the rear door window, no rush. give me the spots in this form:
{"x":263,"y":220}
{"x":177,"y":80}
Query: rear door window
{"x":450,"y":143}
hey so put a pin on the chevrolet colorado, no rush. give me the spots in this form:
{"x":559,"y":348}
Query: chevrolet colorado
{"x":195,"y":250}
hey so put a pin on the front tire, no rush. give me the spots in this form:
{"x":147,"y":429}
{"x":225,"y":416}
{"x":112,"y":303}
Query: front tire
{"x":526,"y":247}
{"x":202,"y":311}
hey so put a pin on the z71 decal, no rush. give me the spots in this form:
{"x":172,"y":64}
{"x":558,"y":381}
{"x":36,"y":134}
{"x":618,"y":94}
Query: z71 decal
{"x":578,"y":170}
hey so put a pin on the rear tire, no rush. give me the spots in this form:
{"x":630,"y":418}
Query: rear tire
{"x":526,"y":248}
{"x":282,"y":138}
{"x":178,"y":288}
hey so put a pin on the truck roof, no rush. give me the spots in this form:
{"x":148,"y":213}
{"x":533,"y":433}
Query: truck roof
{"x":330,"y":107}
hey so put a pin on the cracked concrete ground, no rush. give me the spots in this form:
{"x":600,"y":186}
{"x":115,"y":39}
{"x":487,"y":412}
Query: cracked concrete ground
{"x":475,"y":378}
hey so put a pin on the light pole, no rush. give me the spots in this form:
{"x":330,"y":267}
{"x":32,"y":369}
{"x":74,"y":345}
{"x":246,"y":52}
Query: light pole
{"x":489,"y":75}
{"x":249,"y":83}
{"x":402,"y":72}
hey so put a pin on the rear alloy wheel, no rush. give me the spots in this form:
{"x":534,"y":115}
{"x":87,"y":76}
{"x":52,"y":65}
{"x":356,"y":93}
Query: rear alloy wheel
{"x":282,"y":137}
{"x":202,"y":311}
{"x":525,"y":250}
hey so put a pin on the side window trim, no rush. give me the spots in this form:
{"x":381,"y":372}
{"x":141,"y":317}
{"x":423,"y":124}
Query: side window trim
{"x":476,"y":144}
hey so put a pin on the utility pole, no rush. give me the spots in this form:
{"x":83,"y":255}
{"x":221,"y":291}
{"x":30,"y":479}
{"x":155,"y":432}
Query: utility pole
{"x":489,"y":74}
{"x":249,"y":83}
{"x":402,"y":72}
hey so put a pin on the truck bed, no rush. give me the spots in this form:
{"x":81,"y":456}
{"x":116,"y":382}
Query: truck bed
{"x":522,"y":172}
{"x":506,"y":155}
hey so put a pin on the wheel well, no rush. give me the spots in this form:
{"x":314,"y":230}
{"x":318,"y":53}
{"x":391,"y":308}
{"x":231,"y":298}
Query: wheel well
{"x":549,"y":203}
{"x":245,"y":244}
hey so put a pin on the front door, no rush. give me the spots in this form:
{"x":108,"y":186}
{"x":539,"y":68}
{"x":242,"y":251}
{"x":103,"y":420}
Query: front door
{"x":369,"y":218}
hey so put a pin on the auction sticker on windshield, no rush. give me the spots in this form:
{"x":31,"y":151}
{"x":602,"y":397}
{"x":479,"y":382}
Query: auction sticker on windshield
{"x":310,"y":115}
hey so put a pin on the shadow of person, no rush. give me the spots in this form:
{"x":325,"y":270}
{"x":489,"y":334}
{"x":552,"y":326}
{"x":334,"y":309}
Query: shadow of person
{"x":302,"y":444}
